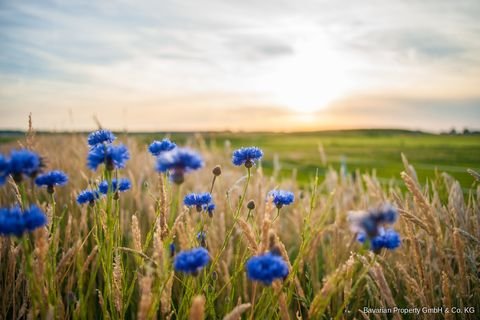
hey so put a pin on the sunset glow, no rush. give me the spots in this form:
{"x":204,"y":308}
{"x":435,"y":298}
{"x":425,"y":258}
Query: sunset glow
{"x":246,"y":65}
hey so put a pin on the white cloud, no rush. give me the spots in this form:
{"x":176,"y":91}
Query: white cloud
{"x":302,"y":55}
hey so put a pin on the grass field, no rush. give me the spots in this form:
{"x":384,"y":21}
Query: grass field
{"x":366,"y":150}
{"x":112,"y":258}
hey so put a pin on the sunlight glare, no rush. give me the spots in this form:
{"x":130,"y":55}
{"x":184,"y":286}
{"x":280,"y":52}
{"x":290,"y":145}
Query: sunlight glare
{"x":311,"y":78}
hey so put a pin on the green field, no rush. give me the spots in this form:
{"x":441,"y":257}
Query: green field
{"x":365,"y":150}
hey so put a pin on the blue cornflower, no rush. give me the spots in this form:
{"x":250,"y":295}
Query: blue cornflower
{"x":51,"y":179}
{"x":198,"y":200}
{"x":88,"y":196}
{"x":100,"y":137}
{"x":389,"y":239}
{"x":172,"y":249}
{"x":24,"y":162}
{"x":11,"y":222}
{"x":386,"y":214}
{"x":15,"y":222}
{"x":34,"y":218}
{"x":281,"y":198}
{"x":371,"y":221}
{"x":120,"y":185}
{"x":4,"y":169}
{"x":202,"y":238}
{"x":266,"y":268}
{"x":191,"y":261}
{"x":158,"y":147}
{"x":246,"y":156}
{"x":209,"y":208}
{"x":179,"y":161}
{"x":112,"y":156}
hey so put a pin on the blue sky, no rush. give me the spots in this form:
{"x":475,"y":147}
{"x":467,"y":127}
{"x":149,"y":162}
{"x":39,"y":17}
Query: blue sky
{"x":240,"y":65}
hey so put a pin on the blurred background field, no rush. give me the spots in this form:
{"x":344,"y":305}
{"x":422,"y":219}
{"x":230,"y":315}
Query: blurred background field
{"x":369,"y":151}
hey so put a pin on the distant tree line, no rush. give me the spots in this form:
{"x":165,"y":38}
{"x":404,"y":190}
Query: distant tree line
{"x":465,"y":131}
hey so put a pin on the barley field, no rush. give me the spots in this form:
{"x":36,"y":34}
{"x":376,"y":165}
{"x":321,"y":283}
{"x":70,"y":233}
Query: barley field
{"x":257,"y":254}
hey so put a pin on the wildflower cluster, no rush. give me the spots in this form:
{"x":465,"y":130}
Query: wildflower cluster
{"x":281,"y":198}
{"x":191,"y":261}
{"x":117,"y":185}
{"x":178,"y":162}
{"x":389,"y":239}
{"x":100,"y":137}
{"x":103,"y":151}
{"x":158,"y":147}
{"x":25,"y":163}
{"x":51,"y":179}
{"x":246,"y":156}
{"x":14,"y":221}
{"x":201,"y":201}
{"x":21,"y":163}
{"x":112,"y":260}
{"x":266,"y":268}
{"x":370,"y":225}
{"x":114,"y":157}
{"x":88,"y":196}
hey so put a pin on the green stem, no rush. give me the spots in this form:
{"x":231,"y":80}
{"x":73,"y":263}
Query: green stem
{"x":277,"y":215}
{"x":230,"y":232}
{"x":32,"y":282}
{"x":53,"y":254}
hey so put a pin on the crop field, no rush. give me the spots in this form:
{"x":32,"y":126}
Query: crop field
{"x":365,"y":150}
{"x":331,"y":225}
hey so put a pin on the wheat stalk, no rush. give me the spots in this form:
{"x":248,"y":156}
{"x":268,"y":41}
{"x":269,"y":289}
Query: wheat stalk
{"x":237,"y":312}
{"x":136,"y":234}
{"x":248,"y":234}
{"x":197,"y":310}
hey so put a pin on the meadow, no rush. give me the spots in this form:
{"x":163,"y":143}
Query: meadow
{"x":118,"y":256}
{"x":365,"y":150}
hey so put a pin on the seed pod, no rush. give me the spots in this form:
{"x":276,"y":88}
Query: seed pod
{"x":217,"y":171}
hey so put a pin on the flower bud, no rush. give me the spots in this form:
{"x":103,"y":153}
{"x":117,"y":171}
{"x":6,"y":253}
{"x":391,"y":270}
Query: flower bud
{"x":217,"y":171}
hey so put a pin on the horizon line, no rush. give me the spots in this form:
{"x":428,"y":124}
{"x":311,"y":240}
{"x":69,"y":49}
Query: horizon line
{"x":472,"y":131}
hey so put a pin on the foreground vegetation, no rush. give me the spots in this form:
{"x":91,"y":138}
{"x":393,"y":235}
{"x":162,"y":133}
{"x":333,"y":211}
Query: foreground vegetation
{"x":114,"y":259}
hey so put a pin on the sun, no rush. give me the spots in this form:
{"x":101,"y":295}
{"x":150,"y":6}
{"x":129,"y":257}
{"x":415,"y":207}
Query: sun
{"x":311,"y":78}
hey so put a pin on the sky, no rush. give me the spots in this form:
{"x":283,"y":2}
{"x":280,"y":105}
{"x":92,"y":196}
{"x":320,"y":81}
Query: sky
{"x":269,"y":65}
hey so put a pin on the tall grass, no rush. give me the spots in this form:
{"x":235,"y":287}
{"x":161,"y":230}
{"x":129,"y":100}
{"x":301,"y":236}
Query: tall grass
{"x":114,"y":260}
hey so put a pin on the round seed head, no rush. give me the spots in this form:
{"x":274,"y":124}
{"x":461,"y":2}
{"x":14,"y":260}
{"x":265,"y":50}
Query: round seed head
{"x":217,"y":171}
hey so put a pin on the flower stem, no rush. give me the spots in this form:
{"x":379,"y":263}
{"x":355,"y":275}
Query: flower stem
{"x":252,"y":311}
{"x":230,"y":232}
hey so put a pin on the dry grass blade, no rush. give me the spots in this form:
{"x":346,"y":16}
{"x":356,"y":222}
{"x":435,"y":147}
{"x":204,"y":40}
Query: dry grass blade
{"x":136,"y":234}
{"x":379,"y":277}
{"x":237,"y":312}
{"x":145,"y":297}
{"x":332,"y":284}
{"x":474,"y":174}
{"x":165,"y":298}
{"x":197,"y":310}
{"x":248,"y":234}
{"x":416,"y":221}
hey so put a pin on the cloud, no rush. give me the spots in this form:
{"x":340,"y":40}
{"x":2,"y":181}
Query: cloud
{"x":287,"y":55}
{"x":406,"y":111}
